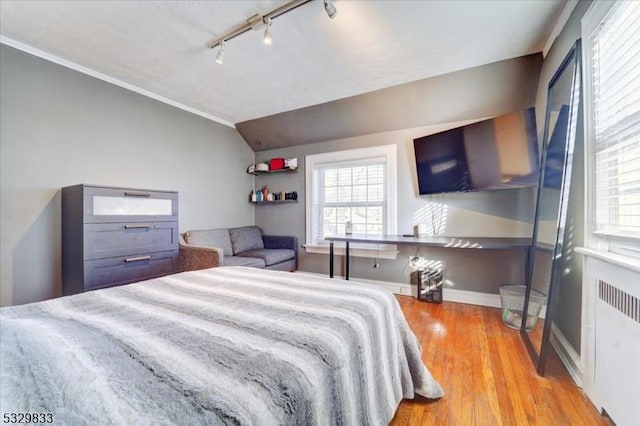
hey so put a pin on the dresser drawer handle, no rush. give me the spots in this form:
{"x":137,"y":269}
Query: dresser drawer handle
{"x":137,"y":194}
{"x":137,"y":258}
{"x":138,"y":226}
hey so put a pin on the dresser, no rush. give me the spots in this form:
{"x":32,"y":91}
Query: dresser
{"x":113,"y":236}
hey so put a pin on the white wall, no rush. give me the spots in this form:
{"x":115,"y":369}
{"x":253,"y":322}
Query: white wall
{"x":59,"y":127}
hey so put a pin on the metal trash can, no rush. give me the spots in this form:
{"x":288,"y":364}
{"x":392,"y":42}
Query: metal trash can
{"x":512,"y":301}
{"x":430,"y":282}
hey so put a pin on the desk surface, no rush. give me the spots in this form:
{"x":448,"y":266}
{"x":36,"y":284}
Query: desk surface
{"x":447,"y":242}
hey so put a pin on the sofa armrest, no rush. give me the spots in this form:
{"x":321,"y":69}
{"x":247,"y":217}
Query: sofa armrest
{"x":280,"y":242}
{"x":196,"y":257}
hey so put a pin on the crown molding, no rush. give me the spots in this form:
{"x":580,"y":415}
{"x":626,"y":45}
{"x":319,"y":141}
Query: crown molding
{"x":93,"y":73}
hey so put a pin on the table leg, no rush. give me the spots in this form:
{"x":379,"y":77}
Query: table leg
{"x":330,"y":259}
{"x":346,"y":262}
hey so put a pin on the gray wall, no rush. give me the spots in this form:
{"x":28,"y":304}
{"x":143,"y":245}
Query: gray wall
{"x":568,"y":303}
{"x":497,"y":213}
{"x":59,"y":127}
{"x":476,"y":92}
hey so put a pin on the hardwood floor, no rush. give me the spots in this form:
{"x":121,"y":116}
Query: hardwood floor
{"x":486,"y":373}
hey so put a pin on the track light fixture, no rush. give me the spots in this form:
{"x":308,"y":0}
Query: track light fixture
{"x":257,"y":22}
{"x":267,"y":33}
{"x":330,"y":9}
{"x":220,"y":55}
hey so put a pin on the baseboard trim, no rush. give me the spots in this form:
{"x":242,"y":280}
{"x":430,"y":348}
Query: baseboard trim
{"x":471,"y":297}
{"x":567,"y":354}
{"x":477,"y":298}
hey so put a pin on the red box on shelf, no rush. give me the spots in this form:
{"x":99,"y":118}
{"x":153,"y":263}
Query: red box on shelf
{"x":276,"y":164}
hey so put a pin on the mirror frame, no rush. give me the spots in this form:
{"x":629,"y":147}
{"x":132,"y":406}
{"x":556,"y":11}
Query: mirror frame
{"x":573,"y":57}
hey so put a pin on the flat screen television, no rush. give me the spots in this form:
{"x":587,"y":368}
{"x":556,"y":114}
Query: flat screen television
{"x":499,"y":153}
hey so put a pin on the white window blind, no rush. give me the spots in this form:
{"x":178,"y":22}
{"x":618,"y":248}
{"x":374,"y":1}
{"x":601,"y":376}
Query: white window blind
{"x":356,"y":186}
{"x":352,"y":192}
{"x":614,"y":51}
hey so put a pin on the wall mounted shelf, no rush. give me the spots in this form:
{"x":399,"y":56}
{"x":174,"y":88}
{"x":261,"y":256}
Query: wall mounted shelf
{"x":270,"y":172}
{"x":274,"y":202}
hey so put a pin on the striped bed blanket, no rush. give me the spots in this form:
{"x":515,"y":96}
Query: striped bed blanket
{"x":227,"y":345}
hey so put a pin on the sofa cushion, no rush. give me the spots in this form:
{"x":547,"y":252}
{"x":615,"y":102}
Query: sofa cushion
{"x":270,"y":256}
{"x":210,"y":238}
{"x":246,"y":238}
{"x":289,"y":266}
{"x":243,"y":261}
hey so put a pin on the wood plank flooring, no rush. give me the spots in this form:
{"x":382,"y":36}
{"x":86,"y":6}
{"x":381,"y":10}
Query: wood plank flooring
{"x":486,"y":373}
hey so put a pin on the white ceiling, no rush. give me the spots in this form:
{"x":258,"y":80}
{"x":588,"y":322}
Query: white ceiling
{"x":161,"y":46}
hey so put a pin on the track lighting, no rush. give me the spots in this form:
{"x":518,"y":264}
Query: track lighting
{"x":258,"y":21}
{"x":267,"y":33}
{"x":330,"y":9}
{"x":220,"y":55}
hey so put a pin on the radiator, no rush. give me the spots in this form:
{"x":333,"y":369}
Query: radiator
{"x":615,"y":341}
{"x":623,"y":302}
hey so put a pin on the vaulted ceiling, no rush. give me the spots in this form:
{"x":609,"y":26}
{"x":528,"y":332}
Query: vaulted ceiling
{"x":160,"y":47}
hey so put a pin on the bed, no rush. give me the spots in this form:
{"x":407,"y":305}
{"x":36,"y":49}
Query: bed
{"x":230,"y":345}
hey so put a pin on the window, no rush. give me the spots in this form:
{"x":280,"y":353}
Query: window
{"x":612,"y":122}
{"x":356,"y":186}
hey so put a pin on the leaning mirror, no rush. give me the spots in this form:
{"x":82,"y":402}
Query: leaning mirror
{"x":544,"y":273}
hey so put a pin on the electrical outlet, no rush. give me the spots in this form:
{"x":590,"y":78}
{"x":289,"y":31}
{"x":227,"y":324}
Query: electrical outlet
{"x":414,"y":263}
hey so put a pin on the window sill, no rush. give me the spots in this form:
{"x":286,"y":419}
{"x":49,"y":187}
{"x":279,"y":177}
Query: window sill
{"x":386,"y":252}
{"x":627,"y":262}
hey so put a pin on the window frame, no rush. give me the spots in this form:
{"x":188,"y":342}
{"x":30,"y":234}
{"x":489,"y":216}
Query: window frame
{"x":314,"y":161}
{"x":597,"y":240}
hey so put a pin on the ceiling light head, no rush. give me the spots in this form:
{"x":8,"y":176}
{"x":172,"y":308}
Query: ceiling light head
{"x":267,"y":39}
{"x":220,"y":55}
{"x":330,"y":9}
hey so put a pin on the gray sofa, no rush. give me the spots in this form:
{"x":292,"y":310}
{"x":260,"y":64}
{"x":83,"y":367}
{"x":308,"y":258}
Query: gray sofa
{"x":244,"y":246}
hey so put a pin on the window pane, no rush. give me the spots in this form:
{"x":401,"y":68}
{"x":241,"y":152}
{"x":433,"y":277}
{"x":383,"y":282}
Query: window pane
{"x":344,"y":194}
{"x":359,"y":175}
{"x":615,"y":84}
{"x":331,"y":194}
{"x":375,"y":174}
{"x":329,"y":229}
{"x":330,"y":214}
{"x":359,"y":228}
{"x":374,"y":215}
{"x":374,"y":229}
{"x":330,"y":177}
{"x":344,"y":176}
{"x":375,"y":193}
{"x":359,"y":193}
{"x":344,"y":188}
{"x":359,"y":215}
{"x":344,"y":214}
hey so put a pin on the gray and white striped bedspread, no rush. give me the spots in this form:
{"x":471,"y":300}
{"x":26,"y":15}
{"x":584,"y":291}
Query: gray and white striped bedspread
{"x":227,"y":345}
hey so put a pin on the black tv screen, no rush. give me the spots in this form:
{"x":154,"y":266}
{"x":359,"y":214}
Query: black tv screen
{"x":498,"y":153}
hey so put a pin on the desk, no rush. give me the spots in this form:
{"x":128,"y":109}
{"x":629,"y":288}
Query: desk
{"x":443,"y":242}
